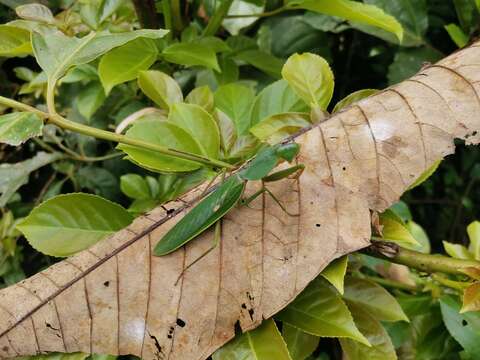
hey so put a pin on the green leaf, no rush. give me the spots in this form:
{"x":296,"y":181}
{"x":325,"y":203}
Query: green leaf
{"x":457,"y":251}
{"x":241,"y":7}
{"x":320,"y":311}
{"x":203,"y":97}
{"x":263,"y":61}
{"x":99,"y":181}
{"x":161,"y":88}
{"x":278,"y":127}
{"x":420,"y":235}
{"x":191,"y":54}
{"x":353,"y":97}
{"x":335,"y":272}
{"x":14,"y":41}
{"x":236,"y":101}
{"x":18,"y":127}
{"x":465,"y":328}
{"x":311,"y":78}
{"x":90,"y":99}
{"x":425,"y":175}
{"x":56,"y":53}
{"x":199,"y":124}
{"x":61,"y":356}
{"x":276,"y":98}
{"x":135,"y":186}
{"x":374,"y":299}
{"x":202,"y":216}
{"x":457,"y":35}
{"x":123,"y":64}
{"x":262,"y":343}
{"x":13,"y":176}
{"x":394,"y":230}
{"x":381,"y":346}
{"x":35,"y":12}
{"x":473,"y":231}
{"x":408,"y":62}
{"x":300,"y":344}
{"x":162,"y":133}
{"x":353,"y":11}
{"x":411,"y":14}
{"x":67,"y":224}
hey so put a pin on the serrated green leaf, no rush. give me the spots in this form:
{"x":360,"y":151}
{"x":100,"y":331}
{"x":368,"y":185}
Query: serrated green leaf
{"x":124,"y":63}
{"x":353,"y":97}
{"x":457,"y":251}
{"x":262,"y":343}
{"x":203,"y":97}
{"x":381,"y":345}
{"x":18,"y":127}
{"x":473,"y":231}
{"x":300,"y":344}
{"x":236,"y":101}
{"x":278,"y":127}
{"x":67,"y":224}
{"x":162,"y":133}
{"x":90,"y":99}
{"x":199,"y":124}
{"x":135,"y":186}
{"x":56,"y":53}
{"x":311,"y":78}
{"x":465,"y":328}
{"x":35,"y":12}
{"x":353,"y":11}
{"x":320,"y":311}
{"x":374,"y":299}
{"x":395,"y":230}
{"x":276,"y":98}
{"x":13,"y":176}
{"x":335,"y":273}
{"x":191,"y":54}
{"x":14,"y":41}
{"x":160,"y":87}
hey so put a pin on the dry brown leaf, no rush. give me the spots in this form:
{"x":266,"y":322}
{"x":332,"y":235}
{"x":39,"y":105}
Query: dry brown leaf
{"x":116,"y":298}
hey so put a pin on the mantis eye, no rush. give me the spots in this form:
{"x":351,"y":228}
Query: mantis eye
{"x":288,"y":151}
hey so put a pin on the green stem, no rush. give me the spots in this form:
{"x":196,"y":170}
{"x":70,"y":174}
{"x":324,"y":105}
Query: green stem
{"x":176,"y":14}
{"x":216,"y":20}
{"x":392,"y":283}
{"x":63,"y":123}
{"x":429,"y":263}
{"x":167,"y":17}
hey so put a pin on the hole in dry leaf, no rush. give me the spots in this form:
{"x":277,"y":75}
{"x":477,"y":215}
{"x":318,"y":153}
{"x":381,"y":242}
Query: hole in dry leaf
{"x":318,"y":225}
{"x":251,"y":312}
{"x":170,"y":211}
{"x":244,"y":306}
{"x":106,"y":283}
{"x":344,"y":168}
{"x":180,"y":323}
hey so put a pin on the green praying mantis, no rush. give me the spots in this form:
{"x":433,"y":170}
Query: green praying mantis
{"x":227,"y":195}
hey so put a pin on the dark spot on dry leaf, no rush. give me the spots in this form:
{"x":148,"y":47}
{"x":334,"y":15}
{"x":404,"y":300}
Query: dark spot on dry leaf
{"x":244,"y":306}
{"x":318,"y":225}
{"x":180,"y":323}
{"x":170,"y":211}
{"x":251,"y":312}
{"x":106,"y":283}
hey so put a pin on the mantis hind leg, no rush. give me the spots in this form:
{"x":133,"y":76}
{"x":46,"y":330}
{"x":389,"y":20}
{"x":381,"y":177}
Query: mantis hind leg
{"x":216,"y":240}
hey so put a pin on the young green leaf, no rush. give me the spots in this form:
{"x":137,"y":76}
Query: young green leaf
{"x":241,"y":7}
{"x":300,"y":344}
{"x":90,"y":99}
{"x":262,"y":343}
{"x":320,"y":311}
{"x":67,"y":224}
{"x":18,"y":127}
{"x":135,"y":186}
{"x":420,"y":235}
{"x":161,"y":88}
{"x":394,"y":230}
{"x":457,"y":35}
{"x":236,"y":101}
{"x":35,"y":12}
{"x":353,"y":11}
{"x":165,"y":134}
{"x":374,"y":299}
{"x":473,"y":231}
{"x":123,"y":64}
{"x":14,"y":41}
{"x":335,"y":272}
{"x":13,"y":176}
{"x":263,"y":61}
{"x":202,"y":216}
{"x":276,"y":98}
{"x":203,"y":97}
{"x":425,"y":175}
{"x":228,"y":133}
{"x":191,"y":54}
{"x":277,"y":127}
{"x":353,"y":97}
{"x":457,"y":251}
{"x":381,"y":345}
{"x":311,"y":78}
{"x":199,"y":124}
{"x":56,"y":53}
{"x":465,"y":328}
